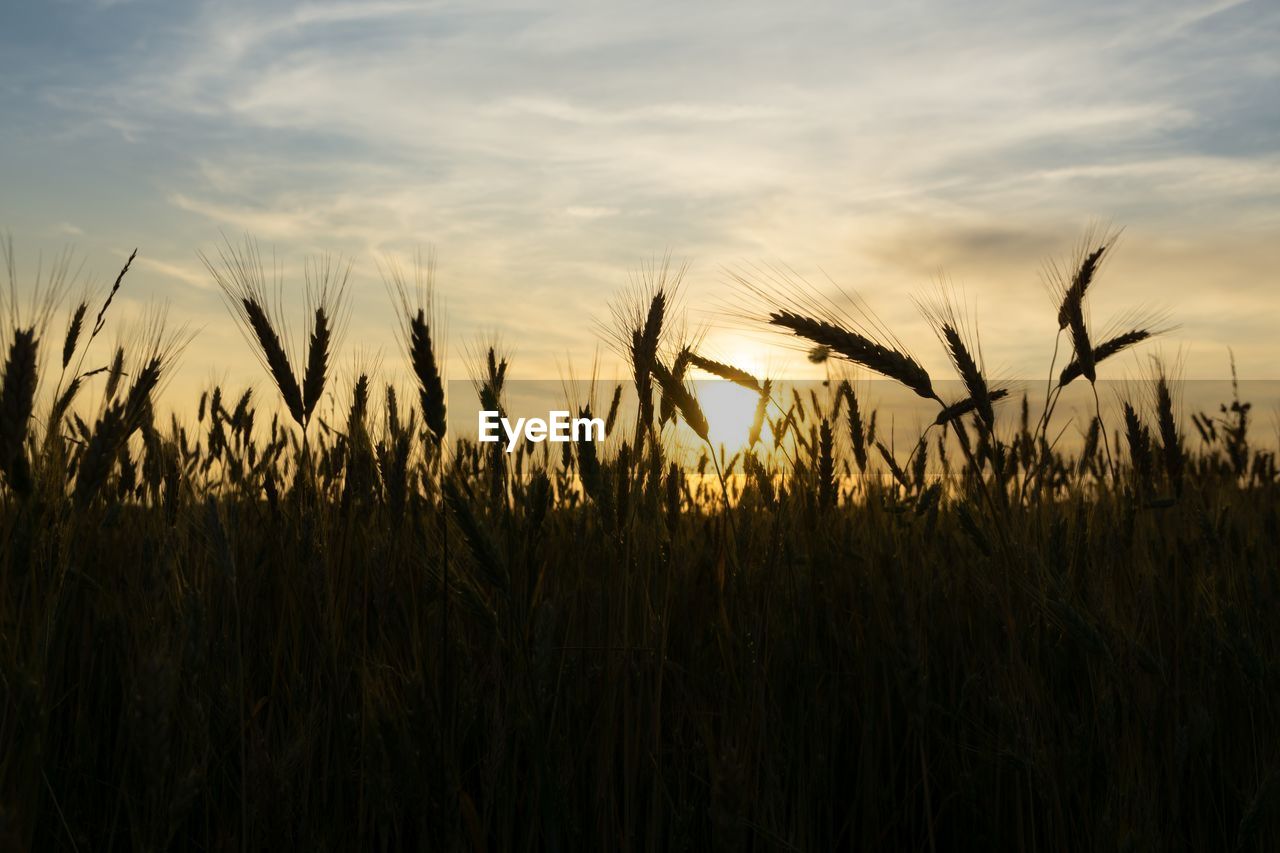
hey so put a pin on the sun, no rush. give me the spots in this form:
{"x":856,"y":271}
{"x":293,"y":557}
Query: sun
{"x":730,"y":410}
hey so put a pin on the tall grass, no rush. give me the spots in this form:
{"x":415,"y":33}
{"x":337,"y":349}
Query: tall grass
{"x":362,"y":632}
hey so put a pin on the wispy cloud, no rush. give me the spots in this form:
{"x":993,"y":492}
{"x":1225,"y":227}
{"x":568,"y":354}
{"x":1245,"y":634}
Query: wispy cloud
{"x":544,"y":148}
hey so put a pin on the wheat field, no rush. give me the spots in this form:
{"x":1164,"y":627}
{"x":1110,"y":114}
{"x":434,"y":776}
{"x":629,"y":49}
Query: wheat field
{"x":275,"y":627}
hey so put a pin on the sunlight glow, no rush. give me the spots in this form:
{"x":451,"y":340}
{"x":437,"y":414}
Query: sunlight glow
{"x":729,"y":409}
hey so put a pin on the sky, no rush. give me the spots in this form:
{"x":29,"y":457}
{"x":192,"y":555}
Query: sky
{"x":546,"y":151}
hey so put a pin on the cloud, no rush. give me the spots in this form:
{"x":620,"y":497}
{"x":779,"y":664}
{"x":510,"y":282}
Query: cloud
{"x":546,"y":147}
{"x":188,"y":275}
{"x":591,"y":212}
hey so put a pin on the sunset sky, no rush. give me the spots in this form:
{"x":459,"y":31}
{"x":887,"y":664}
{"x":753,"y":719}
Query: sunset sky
{"x":547,"y":149}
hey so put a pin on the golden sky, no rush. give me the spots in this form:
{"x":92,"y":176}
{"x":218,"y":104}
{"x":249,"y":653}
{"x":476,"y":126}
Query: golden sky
{"x":547,"y":149}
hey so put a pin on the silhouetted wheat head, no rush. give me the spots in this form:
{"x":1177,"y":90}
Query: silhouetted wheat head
{"x":421,"y":335}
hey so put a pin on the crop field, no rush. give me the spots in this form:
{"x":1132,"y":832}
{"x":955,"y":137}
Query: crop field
{"x":311,"y":616}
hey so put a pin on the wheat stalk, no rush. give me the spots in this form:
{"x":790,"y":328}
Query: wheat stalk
{"x":1102,"y":352}
{"x":725,"y":371}
{"x":857,"y":430}
{"x":951,"y":328}
{"x":277,"y":360}
{"x":963,"y":407}
{"x":762,"y":407}
{"x":859,"y":349}
{"x":73,"y":333}
{"x":313,"y":380}
{"x":421,"y":337}
{"x":612,"y":416}
{"x":422,"y":359}
{"x":111,"y":295}
{"x":17,"y":401}
{"x":685,"y":402}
